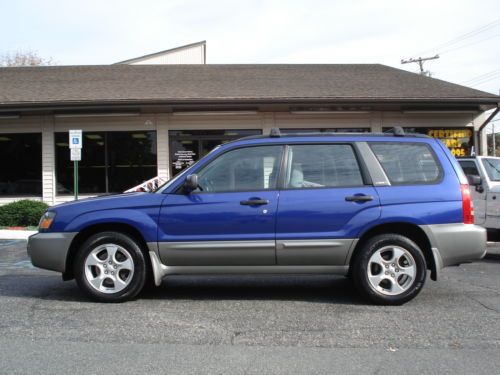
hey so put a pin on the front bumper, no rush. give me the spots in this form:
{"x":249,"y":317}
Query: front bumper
{"x":456,"y":243}
{"x":49,"y":250}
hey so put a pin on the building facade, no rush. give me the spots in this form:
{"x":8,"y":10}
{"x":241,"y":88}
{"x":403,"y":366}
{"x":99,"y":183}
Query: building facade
{"x":142,"y":122}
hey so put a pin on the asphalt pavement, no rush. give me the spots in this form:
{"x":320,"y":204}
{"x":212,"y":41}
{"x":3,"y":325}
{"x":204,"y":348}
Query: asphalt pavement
{"x":247,"y":325}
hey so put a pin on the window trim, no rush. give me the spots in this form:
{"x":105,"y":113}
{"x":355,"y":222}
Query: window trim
{"x":436,"y":181}
{"x":179,"y":190}
{"x":365,"y":177}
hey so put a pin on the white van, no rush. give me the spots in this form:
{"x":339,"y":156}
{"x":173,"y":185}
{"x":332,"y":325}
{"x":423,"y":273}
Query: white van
{"x":483,"y":172}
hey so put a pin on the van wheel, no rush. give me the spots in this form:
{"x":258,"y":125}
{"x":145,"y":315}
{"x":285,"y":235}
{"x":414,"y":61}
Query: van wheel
{"x":110,"y":267}
{"x":389,"y":269}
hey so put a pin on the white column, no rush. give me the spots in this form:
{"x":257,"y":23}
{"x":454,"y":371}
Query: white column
{"x":267,"y":122}
{"x":48,"y":161}
{"x":376,"y":121}
{"x":162,"y":144}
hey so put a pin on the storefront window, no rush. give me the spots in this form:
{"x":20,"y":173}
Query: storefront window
{"x":111,"y":161}
{"x":188,"y":146}
{"x":459,"y":140}
{"x":21,"y":164}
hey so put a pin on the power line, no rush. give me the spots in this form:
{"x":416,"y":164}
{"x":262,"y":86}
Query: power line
{"x":481,"y":76}
{"x":483,"y":82}
{"x":470,"y":44}
{"x":462,"y":37}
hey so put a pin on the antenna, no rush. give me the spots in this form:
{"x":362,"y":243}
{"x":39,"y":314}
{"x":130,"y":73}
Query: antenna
{"x":420,"y":62}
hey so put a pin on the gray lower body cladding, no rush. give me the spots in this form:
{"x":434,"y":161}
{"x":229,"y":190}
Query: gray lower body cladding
{"x":50,"y":250}
{"x":456,"y":243}
{"x":256,"y":253}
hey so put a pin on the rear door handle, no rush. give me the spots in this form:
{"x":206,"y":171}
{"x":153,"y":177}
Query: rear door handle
{"x":359,"y":198}
{"x":254,"y":202}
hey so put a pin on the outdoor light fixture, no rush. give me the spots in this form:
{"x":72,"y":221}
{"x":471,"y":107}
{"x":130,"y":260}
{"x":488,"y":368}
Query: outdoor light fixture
{"x":93,"y":136}
{"x":327,"y":112}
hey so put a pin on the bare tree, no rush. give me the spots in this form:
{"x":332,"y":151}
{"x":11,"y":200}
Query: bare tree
{"x":24,"y":58}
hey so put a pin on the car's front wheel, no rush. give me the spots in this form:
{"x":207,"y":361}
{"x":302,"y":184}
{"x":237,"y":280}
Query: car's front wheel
{"x":389,"y":269}
{"x":110,"y":267}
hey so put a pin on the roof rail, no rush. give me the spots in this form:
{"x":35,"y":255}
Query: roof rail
{"x":275,"y":133}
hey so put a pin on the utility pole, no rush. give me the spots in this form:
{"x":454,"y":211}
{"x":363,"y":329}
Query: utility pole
{"x":420,"y":62}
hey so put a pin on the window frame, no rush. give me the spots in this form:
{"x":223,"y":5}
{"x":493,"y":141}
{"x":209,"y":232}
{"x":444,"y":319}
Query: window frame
{"x":436,"y":181}
{"x":180,"y":188}
{"x":363,"y":170}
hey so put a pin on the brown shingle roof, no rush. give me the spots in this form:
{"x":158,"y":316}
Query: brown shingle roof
{"x":225,"y":83}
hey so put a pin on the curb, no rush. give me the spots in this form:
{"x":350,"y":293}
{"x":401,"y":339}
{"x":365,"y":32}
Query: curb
{"x":16,"y":234}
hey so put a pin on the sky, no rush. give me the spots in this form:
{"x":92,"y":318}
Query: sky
{"x":465,"y":33}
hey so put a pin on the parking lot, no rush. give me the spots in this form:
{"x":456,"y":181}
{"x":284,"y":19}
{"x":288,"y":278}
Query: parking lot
{"x":250,"y":325}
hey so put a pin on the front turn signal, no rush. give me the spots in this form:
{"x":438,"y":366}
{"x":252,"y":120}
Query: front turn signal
{"x":46,"y":220}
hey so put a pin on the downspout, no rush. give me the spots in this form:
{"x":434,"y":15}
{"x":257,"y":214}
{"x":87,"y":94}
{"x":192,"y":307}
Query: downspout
{"x":486,"y":122}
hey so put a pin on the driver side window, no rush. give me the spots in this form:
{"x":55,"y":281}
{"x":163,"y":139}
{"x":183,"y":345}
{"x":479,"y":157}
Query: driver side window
{"x":244,"y":169}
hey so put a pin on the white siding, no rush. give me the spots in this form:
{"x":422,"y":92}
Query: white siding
{"x":48,"y":161}
{"x":163,"y":122}
{"x":162,"y":143}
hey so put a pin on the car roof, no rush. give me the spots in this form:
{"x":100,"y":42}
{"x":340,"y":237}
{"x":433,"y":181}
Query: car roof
{"x":277,"y":137}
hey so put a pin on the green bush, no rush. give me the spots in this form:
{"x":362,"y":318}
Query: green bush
{"x":22,"y":213}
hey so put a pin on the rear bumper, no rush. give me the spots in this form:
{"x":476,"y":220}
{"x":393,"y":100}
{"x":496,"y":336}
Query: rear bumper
{"x":456,"y":243}
{"x":49,"y":250}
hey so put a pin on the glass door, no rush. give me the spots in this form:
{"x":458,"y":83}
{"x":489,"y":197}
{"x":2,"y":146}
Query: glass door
{"x":188,"y":146}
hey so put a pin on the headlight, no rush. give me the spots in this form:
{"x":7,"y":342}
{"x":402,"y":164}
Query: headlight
{"x":46,"y":220}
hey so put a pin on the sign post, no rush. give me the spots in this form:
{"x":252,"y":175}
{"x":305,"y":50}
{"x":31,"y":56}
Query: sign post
{"x":75,"y":147}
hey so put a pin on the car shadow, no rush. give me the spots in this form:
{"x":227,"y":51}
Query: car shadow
{"x":314,"y":289}
{"x":320,"y":289}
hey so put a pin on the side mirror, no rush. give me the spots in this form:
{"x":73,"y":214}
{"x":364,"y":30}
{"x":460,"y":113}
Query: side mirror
{"x":191,"y":183}
{"x":474,"y":180}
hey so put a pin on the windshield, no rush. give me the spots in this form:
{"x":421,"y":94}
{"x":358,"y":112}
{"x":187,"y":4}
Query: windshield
{"x":492,"y":167}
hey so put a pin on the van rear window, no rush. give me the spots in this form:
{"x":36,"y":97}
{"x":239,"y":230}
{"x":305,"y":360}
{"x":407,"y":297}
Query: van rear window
{"x":407,"y":163}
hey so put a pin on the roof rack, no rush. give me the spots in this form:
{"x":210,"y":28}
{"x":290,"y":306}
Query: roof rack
{"x":397,"y":131}
{"x":275,"y":133}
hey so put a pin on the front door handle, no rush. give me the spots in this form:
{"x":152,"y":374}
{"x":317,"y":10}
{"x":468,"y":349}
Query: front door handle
{"x":254,"y":202}
{"x":359,"y":198}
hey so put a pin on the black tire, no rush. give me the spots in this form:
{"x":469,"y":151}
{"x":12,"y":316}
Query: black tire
{"x":360,"y":271}
{"x":136,"y":278}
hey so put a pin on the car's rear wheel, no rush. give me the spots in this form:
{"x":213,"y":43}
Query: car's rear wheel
{"x":389,"y":269}
{"x":110,"y":267}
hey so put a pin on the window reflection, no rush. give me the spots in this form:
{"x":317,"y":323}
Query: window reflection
{"x":21,"y":164}
{"x":111,"y":161}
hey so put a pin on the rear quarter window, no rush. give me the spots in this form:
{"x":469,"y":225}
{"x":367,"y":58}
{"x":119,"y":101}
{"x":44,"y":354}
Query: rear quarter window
{"x":407,"y":163}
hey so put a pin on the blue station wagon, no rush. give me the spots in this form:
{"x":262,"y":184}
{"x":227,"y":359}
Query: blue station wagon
{"x":382,"y":209}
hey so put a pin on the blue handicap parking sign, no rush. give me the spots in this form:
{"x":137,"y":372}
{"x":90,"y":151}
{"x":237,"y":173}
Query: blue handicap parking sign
{"x":75,"y":141}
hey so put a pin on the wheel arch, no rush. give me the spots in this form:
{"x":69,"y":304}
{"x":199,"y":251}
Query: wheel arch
{"x":410,"y":230}
{"x":90,"y":230}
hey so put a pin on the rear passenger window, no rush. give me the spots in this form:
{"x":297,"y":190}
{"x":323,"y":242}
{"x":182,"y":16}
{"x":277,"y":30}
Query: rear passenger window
{"x":318,"y":166}
{"x":469,"y":167}
{"x":407,"y":163}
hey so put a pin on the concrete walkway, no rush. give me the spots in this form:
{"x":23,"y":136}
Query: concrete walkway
{"x":9,"y":234}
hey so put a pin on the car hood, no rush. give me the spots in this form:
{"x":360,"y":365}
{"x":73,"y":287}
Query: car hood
{"x":109,"y":202}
